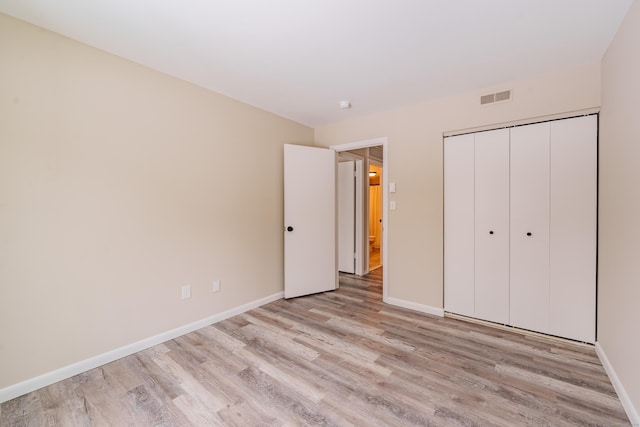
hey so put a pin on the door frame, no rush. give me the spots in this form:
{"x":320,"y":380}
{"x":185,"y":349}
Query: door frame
{"x":384,"y":142}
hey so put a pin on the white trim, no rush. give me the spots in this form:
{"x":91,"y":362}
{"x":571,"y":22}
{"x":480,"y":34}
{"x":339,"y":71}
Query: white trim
{"x":627,"y":404}
{"x":435,"y":311}
{"x":69,"y":371}
{"x":362,"y":144}
{"x":346,"y":156}
{"x":528,"y":121}
{"x":384,"y":141}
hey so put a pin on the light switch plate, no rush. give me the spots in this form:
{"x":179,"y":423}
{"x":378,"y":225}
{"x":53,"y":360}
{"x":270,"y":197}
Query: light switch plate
{"x":392,"y":187}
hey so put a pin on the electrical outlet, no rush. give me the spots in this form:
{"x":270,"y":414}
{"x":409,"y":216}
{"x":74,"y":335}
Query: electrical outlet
{"x":186,"y":292}
{"x":216,"y":286}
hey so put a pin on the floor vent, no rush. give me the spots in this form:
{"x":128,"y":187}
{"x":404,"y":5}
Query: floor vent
{"x":495,"y":97}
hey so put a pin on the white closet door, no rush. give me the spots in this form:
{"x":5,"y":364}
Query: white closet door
{"x":492,"y":226}
{"x":529,"y":201}
{"x":459,"y":224}
{"x":573,"y":228}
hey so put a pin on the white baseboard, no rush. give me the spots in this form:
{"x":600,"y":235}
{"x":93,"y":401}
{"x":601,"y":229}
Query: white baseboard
{"x":415,"y":306}
{"x":631,"y":411}
{"x":44,"y":380}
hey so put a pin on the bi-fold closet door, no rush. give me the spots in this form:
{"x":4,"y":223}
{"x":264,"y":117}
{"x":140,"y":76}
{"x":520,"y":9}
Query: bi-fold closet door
{"x":529,"y":242}
{"x":476,"y":249}
{"x":573,"y":208}
{"x":492,"y":226}
{"x":520,"y":226}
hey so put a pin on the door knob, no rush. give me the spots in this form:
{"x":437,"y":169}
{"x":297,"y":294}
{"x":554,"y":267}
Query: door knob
{"x":490,"y":231}
{"x":289,"y":228}
{"x":529,"y":234}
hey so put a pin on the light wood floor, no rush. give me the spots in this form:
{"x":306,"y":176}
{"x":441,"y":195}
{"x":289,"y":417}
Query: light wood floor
{"x":375,"y":260}
{"x":339,"y":358}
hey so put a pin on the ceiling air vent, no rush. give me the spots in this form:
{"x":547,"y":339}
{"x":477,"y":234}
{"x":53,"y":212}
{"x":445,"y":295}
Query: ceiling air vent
{"x":495,"y":97}
{"x":487,"y":99}
{"x":503,"y":96}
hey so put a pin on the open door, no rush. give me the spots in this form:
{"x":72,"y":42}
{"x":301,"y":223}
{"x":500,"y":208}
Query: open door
{"x":310,"y":256}
{"x":347,"y":217}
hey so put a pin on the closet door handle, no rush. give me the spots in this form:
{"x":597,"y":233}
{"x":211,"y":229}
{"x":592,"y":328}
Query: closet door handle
{"x":490,"y":231}
{"x":529,"y":234}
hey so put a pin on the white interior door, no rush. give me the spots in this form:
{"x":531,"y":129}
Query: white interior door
{"x":573,"y":228}
{"x":309,"y":220}
{"x":346,"y":216}
{"x":492,"y":225}
{"x":529,"y":201}
{"x":459,"y":251}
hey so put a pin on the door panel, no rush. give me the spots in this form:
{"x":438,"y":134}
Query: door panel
{"x":346,"y":216}
{"x":310,"y":212}
{"x":573,"y":228}
{"x":529,"y":235}
{"x":459,"y":224}
{"x":492,"y":226}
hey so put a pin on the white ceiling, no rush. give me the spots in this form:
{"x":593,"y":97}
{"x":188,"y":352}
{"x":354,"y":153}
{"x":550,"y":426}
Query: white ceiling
{"x":299,"y":58}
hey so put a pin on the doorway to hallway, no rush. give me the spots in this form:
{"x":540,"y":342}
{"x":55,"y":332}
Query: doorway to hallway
{"x":374,"y":152}
{"x":375,"y":213}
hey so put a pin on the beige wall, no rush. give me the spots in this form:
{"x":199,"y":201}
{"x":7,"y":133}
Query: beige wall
{"x":619,"y":230}
{"x":415,"y":164}
{"x":118,"y":185}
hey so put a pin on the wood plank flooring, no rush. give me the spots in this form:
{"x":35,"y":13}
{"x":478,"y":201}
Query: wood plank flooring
{"x":375,"y":260}
{"x":336,"y":359}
